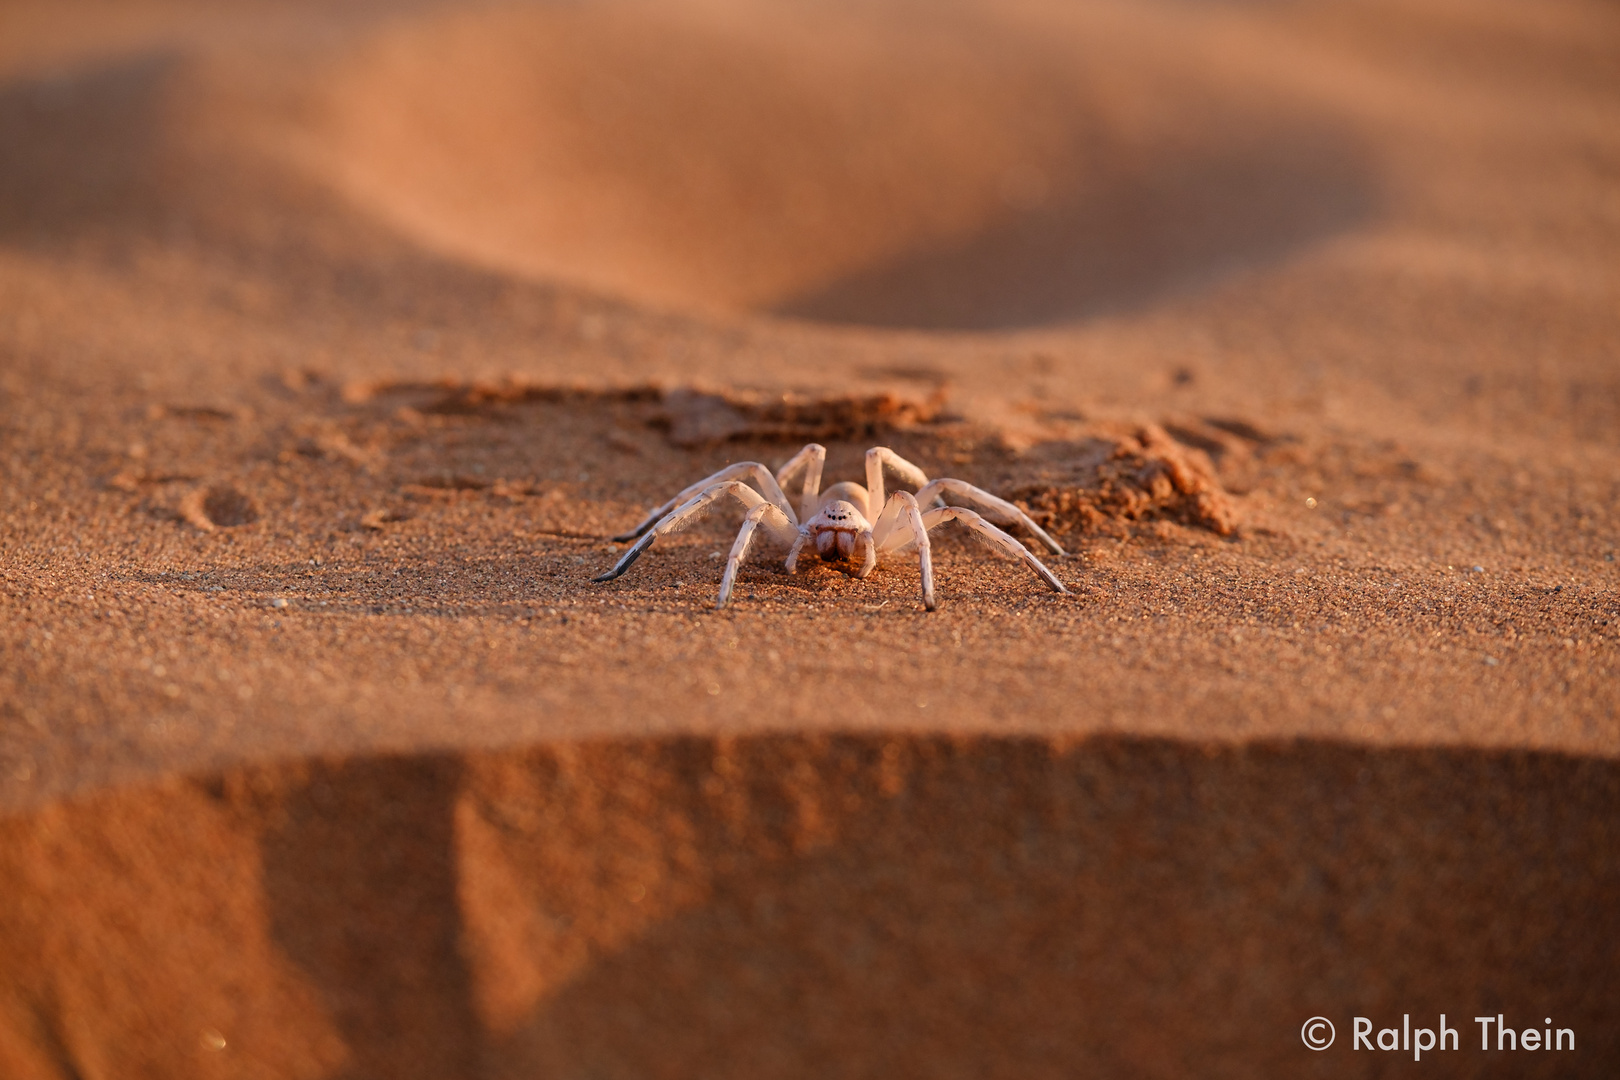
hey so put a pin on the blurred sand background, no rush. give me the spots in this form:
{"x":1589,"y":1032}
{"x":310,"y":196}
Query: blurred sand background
{"x":336,"y":339}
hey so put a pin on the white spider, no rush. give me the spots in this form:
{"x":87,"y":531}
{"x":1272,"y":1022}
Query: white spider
{"x":838,"y":523}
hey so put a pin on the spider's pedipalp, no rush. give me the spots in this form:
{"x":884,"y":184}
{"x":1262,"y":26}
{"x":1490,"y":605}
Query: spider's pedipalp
{"x":867,"y":550}
{"x":999,"y":509}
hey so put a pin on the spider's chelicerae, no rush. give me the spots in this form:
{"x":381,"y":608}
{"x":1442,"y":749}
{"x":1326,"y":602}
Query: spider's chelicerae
{"x":847,"y":525}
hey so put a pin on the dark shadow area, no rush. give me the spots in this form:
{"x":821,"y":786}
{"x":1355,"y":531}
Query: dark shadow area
{"x":360,"y":881}
{"x":819,"y":906}
{"x":79,"y":154}
{"x":1125,"y":908}
{"x":1138,"y":228}
{"x":121,"y":160}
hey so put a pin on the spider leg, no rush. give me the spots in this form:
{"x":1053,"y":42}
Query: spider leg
{"x":798,"y":546}
{"x":981,"y":529}
{"x":811,"y":459}
{"x":902,"y":524}
{"x":689,"y":510}
{"x":739,"y":549}
{"x":925,"y":554}
{"x":999,"y":509}
{"x":740,"y":470}
{"x":892,"y":518}
{"x":876,"y":459}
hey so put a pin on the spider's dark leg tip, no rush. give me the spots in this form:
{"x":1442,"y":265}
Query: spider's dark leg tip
{"x":624,"y":564}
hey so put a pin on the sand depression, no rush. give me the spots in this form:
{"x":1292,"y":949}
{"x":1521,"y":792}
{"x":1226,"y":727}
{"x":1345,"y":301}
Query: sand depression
{"x":838,"y":163}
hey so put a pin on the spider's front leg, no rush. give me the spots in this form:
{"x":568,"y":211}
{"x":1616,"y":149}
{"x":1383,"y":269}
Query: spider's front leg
{"x":995,"y":537}
{"x":880,"y":458}
{"x":780,"y":521}
{"x":902,"y":523}
{"x":798,"y":546}
{"x":738,"y":471}
{"x":812,"y":459}
{"x":996,"y":508}
{"x":773,"y":519}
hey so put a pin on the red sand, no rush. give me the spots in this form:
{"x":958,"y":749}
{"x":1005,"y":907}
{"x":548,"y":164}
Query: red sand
{"x":334,"y":342}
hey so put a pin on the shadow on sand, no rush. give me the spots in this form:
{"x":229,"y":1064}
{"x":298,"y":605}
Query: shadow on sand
{"x":815,"y":906}
{"x":1130,"y":234}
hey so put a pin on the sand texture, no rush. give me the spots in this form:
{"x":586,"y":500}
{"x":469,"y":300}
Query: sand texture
{"x":337,"y":341}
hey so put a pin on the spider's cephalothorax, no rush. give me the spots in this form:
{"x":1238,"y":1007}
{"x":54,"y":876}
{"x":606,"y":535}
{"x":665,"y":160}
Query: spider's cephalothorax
{"x":835,"y":529}
{"x":847,"y":524}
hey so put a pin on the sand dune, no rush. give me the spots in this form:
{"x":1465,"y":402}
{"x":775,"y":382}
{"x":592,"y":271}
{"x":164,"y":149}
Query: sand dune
{"x":769,"y":156}
{"x":335,"y":340}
